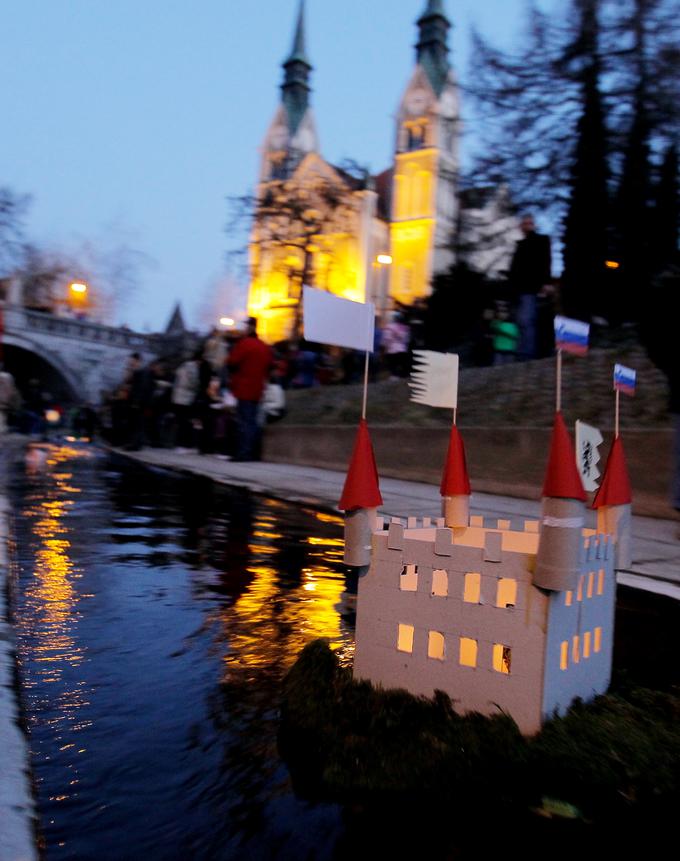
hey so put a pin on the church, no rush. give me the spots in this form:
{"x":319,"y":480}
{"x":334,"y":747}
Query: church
{"x":380,"y":238}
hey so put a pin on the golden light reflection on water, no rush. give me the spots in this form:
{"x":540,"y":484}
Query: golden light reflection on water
{"x":281,"y":611}
{"x":51,"y":594}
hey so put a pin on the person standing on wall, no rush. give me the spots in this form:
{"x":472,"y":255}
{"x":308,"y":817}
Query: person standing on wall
{"x":530,"y":271}
{"x":249,"y":363}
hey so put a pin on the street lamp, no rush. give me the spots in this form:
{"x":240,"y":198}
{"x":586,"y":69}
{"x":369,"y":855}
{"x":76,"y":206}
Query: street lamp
{"x":227,"y":322}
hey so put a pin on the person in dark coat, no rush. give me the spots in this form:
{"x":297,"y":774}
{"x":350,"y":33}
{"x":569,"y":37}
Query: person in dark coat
{"x":530,"y":271}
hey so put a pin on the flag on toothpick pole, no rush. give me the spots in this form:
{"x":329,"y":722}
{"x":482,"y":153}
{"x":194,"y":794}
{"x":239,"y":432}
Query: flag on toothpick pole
{"x":624,"y":380}
{"x":571,"y":336}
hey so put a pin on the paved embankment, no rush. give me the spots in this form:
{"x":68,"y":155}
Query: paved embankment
{"x":17,"y":809}
{"x":656,"y":546}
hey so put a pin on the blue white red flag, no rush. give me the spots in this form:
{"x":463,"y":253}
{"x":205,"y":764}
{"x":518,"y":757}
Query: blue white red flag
{"x":624,"y":379}
{"x":571,"y":336}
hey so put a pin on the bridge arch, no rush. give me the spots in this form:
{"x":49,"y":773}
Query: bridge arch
{"x":64,"y":373}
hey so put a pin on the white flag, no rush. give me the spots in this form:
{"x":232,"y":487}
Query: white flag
{"x":434,"y":379}
{"x":329,"y":319}
{"x":588,"y":439}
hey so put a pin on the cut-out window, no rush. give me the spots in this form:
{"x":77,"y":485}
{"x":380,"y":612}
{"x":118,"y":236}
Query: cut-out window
{"x":405,"y":638}
{"x":473,"y":587}
{"x":507,"y":592}
{"x":564,"y":655}
{"x":586,"y":644}
{"x":600,"y":581}
{"x":579,"y":593}
{"x":575,"y":653}
{"x":597,"y":640}
{"x":502,"y":658}
{"x":591,"y":583}
{"x":408,"y":582}
{"x":568,"y":597}
{"x":440,"y":582}
{"x":468,"y":652}
{"x":436,"y":646}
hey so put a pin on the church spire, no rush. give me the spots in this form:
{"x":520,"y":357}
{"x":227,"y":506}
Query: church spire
{"x":432,"y":48}
{"x":295,"y":88}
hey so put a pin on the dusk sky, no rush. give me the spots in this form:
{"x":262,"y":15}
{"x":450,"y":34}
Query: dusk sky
{"x":130,"y":122}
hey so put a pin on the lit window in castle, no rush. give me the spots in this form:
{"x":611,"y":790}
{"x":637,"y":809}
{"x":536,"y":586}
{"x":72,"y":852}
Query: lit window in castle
{"x":600,"y":581}
{"x":436,"y":646}
{"x":507,"y":592}
{"x":568,"y":598}
{"x":579,"y":593}
{"x":473,"y":584}
{"x":440,"y":582}
{"x":564,"y":655}
{"x":575,"y":653}
{"x":405,"y":638}
{"x":586,"y":644}
{"x":591,"y":583}
{"x":468,"y":652}
{"x":597,"y":640}
{"x":408,"y":582}
{"x":502,"y":658}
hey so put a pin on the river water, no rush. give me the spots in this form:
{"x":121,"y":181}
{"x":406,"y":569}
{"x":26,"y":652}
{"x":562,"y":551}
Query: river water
{"x":156,"y":616}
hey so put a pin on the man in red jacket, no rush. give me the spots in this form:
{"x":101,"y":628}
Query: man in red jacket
{"x":249,"y":365}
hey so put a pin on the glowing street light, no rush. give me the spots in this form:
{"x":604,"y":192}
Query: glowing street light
{"x":384,"y":259}
{"x":612,"y":264}
{"x":227,"y":322}
{"x":78,"y":287}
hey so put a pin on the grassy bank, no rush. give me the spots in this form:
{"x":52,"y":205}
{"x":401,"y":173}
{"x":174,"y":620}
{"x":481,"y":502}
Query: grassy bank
{"x":522,"y":394}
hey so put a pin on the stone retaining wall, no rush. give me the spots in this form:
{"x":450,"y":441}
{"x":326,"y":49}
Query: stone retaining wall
{"x":18,"y":817}
{"x":504,"y":460}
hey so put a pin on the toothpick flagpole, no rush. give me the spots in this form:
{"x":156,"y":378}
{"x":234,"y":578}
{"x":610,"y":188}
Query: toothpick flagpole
{"x":616,"y":413}
{"x":363,"y":405}
{"x":558,"y":399}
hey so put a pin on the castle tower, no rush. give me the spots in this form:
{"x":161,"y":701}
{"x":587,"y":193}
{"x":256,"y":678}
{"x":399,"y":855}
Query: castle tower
{"x":292,"y":133}
{"x":455,"y":486}
{"x":424,"y":194}
{"x":559,"y":550}
{"x":360,"y":499}
{"x":613,"y":504}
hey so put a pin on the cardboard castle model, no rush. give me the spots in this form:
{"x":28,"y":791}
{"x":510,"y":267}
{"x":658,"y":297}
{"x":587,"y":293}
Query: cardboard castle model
{"x":519,"y":620}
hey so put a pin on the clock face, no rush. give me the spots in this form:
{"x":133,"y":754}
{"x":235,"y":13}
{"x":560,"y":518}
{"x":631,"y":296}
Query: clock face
{"x":278,"y":137}
{"x":416,"y":102}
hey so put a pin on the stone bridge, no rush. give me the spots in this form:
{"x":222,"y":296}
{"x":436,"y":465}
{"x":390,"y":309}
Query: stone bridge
{"x":83,"y":359}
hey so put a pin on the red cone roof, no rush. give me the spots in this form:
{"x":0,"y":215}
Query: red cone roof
{"x":615,"y":487}
{"x":361,"y":488}
{"x":562,"y":480}
{"x":455,"y":481}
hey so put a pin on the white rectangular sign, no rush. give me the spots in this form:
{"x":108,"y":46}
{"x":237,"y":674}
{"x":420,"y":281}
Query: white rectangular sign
{"x":329,"y":319}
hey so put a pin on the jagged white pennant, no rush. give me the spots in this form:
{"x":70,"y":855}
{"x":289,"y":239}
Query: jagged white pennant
{"x":434,"y":379}
{"x":588,"y":439}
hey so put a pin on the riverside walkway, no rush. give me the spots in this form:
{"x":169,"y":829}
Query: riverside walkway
{"x":656,"y":544}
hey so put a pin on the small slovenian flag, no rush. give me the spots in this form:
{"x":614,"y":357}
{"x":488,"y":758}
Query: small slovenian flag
{"x":571,"y":336}
{"x":624,"y":379}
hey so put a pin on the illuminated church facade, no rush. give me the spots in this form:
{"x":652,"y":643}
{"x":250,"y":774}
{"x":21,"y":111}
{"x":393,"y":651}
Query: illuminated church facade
{"x":380,"y":238}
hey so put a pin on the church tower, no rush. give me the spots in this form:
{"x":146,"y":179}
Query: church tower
{"x":424,"y":193}
{"x":292,"y":133}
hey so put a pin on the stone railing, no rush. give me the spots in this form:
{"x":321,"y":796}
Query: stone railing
{"x":24,"y":320}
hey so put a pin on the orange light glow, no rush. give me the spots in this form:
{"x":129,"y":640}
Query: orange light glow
{"x":611,"y":264}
